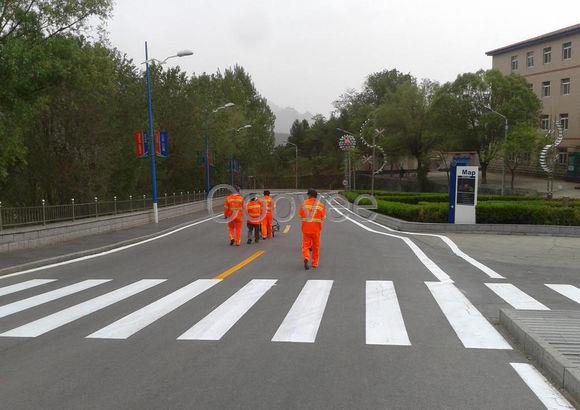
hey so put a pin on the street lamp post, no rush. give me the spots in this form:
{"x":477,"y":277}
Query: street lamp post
{"x":504,"y":140}
{"x":232,"y":157}
{"x":182,"y":53}
{"x":206,"y":138}
{"x":296,"y":163}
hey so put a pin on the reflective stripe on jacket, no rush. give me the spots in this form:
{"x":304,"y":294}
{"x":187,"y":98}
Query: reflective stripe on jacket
{"x":233,"y":205}
{"x":312,"y":212}
{"x":254,"y":210}
{"x":266,"y":199}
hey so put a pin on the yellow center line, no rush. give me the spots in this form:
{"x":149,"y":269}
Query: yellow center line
{"x":286,"y":229}
{"x":239,"y":265}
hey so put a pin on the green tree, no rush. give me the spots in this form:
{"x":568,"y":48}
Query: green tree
{"x":520,"y":147}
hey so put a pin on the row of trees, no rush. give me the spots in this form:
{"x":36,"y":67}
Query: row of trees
{"x":69,"y":107}
{"x":422,"y":118}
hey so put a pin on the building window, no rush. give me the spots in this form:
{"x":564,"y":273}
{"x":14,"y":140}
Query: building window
{"x":567,"y":51}
{"x":530,"y":59}
{"x":531,"y":86}
{"x":547,"y":55}
{"x":514,"y":63}
{"x":566,"y":86}
{"x":564,"y":121}
{"x":562,"y":158}
{"x":545,"y":122}
{"x":546,"y":89}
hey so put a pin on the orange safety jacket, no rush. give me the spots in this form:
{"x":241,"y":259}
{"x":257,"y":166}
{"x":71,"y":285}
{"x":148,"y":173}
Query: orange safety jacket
{"x":233,"y":205}
{"x":312,"y":213}
{"x":254,"y":210}
{"x":266,"y":199}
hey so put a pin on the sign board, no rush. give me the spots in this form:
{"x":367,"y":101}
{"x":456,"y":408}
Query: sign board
{"x":161,"y":144}
{"x":466,"y":178}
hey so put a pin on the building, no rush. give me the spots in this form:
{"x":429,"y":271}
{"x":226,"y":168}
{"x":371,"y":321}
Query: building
{"x":551,"y":65}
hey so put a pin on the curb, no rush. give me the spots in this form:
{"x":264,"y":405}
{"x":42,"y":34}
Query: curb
{"x":560,"y":369}
{"x":61,"y":258}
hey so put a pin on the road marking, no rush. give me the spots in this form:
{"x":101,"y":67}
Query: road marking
{"x":225,"y":316}
{"x":548,"y":395}
{"x":474,"y":331}
{"x":131,"y":324}
{"x":517,"y":298}
{"x":58,"y":319}
{"x":454,"y":248}
{"x":287,"y":229}
{"x":6,"y":290}
{"x":43,"y":298}
{"x":571,"y":292}
{"x":424,"y":259}
{"x":239,"y":266}
{"x":115,"y":250}
{"x":384,"y":321}
{"x":303,"y":319}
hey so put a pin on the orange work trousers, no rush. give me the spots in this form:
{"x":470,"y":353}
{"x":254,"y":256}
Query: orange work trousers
{"x":235,"y":228}
{"x":267,"y":226}
{"x":311,"y":241}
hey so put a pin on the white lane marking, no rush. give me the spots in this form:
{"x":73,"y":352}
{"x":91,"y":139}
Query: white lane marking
{"x":6,"y":290}
{"x":303,"y":319}
{"x":58,"y":319}
{"x":474,"y":331}
{"x":134,"y":322}
{"x":571,"y":292}
{"x":517,"y":298}
{"x":424,"y":259}
{"x":98,"y":255}
{"x":544,"y":391}
{"x":452,"y":245}
{"x":224,"y":317}
{"x":384,"y":320}
{"x":46,"y":297}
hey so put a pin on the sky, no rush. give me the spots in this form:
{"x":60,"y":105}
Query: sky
{"x":306,"y":53}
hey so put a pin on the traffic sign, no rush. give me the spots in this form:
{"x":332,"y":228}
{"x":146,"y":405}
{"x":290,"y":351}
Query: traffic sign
{"x":345,"y":183}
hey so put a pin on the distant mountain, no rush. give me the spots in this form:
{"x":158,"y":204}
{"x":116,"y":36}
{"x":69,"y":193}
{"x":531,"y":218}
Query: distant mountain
{"x":285,"y":117}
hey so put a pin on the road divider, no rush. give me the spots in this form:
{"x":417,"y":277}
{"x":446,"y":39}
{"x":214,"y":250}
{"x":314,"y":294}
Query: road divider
{"x":239,"y":266}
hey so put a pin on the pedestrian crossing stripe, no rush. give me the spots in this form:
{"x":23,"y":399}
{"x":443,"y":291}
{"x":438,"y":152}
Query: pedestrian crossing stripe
{"x":384,"y":322}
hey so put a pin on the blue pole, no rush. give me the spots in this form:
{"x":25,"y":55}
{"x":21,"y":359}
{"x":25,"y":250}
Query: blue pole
{"x":207,"y":178}
{"x":151,"y":139}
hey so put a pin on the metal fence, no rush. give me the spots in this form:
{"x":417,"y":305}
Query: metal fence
{"x":46,"y":213}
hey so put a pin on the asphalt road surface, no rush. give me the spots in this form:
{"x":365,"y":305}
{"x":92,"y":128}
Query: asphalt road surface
{"x":388,"y":321}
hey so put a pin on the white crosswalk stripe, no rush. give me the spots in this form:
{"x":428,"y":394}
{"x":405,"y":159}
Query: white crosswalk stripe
{"x":51,"y":322}
{"x":131,"y":324}
{"x":384,"y":321}
{"x":34,"y":301}
{"x":471,"y":327}
{"x":517,"y":298}
{"x":302,"y":321}
{"x":571,"y":292}
{"x":221,"y":319}
{"x":6,"y":290}
{"x":544,"y":391}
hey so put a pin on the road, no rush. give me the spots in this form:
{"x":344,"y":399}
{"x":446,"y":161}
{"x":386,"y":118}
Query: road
{"x":388,"y":320}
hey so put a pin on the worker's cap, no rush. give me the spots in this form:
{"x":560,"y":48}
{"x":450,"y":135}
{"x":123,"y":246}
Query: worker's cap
{"x":312,"y":192}
{"x":266,"y":192}
{"x":237,"y":188}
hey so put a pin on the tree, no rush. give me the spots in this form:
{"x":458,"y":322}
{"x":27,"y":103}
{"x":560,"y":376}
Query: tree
{"x":520,"y":146}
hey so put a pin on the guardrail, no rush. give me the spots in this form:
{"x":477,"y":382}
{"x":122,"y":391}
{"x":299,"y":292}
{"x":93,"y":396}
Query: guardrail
{"x":12,"y":217}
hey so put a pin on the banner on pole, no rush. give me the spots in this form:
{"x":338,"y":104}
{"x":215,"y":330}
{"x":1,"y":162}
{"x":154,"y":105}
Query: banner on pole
{"x":140,"y":147}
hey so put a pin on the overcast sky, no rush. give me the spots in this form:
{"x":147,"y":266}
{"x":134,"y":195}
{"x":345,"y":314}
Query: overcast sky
{"x":305,"y":53}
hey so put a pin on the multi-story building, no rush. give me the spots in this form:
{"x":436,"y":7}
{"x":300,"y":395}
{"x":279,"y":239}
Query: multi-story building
{"x":551,"y":65}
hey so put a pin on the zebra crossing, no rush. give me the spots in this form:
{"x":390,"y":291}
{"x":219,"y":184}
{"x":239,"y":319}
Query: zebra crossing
{"x":384,"y":319}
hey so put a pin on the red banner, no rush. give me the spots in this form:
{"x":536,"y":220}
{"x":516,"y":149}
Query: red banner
{"x":157,"y":144}
{"x":139,"y":144}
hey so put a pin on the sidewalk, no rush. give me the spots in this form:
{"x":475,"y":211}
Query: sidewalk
{"x":86,"y":243}
{"x":561,"y":188}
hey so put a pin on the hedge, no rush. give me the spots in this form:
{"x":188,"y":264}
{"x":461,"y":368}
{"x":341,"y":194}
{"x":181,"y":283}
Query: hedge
{"x":492,"y":209}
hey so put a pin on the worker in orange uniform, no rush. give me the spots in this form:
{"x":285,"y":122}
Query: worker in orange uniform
{"x":268,"y":205}
{"x":233,"y":211}
{"x":312,"y":212}
{"x":254,"y":222}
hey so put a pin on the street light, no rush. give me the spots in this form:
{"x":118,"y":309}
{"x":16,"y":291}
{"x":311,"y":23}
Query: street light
{"x":296,"y":166}
{"x":487,"y":107}
{"x":232,"y":158}
{"x":207,"y":176}
{"x":150,"y":118}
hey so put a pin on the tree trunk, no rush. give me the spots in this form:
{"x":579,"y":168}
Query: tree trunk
{"x":484,"y":172}
{"x":513,"y":172}
{"x":422,"y":172}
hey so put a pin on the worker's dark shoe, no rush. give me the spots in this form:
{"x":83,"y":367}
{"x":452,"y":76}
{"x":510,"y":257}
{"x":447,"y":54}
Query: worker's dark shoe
{"x":237,"y":244}
{"x":249,"y":241}
{"x":314,"y":266}
{"x":306,"y":267}
{"x":231,"y":242}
